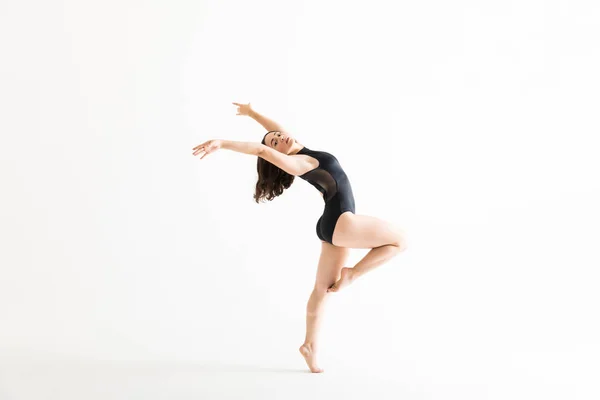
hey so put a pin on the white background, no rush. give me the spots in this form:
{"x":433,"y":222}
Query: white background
{"x":472,"y":125}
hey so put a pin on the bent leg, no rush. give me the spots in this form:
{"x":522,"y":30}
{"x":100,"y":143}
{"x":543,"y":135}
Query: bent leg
{"x":361,"y":231}
{"x":365,"y":232}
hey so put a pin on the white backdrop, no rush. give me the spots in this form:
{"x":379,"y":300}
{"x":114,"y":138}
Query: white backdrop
{"x":470,"y":125}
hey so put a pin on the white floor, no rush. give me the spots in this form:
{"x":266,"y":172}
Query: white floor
{"x":25,"y":378}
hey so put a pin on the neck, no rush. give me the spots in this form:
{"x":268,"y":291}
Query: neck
{"x":296,"y":148}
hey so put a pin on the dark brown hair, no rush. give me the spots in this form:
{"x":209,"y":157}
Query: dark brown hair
{"x":272,"y":180}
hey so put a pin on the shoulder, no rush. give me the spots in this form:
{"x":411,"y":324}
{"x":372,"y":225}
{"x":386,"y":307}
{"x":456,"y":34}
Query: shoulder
{"x":310,"y":163}
{"x":295,"y":164}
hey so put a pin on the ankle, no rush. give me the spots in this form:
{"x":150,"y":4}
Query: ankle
{"x":310,"y":346}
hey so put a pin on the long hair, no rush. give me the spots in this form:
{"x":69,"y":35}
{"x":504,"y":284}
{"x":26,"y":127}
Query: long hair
{"x":272,"y":180}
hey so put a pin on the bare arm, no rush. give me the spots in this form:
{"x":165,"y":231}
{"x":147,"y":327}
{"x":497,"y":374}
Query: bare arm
{"x":293,"y":165}
{"x":267,"y":123}
{"x":251,"y":148}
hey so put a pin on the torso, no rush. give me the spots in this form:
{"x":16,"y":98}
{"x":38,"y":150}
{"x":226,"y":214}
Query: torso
{"x":325,"y":172}
{"x":313,"y":164}
{"x":329,"y":178}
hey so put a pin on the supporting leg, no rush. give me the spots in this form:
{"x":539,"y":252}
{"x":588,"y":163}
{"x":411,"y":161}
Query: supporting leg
{"x":332,"y":259}
{"x":314,"y":316}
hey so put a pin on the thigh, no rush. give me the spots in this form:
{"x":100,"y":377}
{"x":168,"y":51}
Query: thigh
{"x":331,"y":261}
{"x":365,"y":232}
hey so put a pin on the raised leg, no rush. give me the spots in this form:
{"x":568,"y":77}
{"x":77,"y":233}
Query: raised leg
{"x":331,"y":261}
{"x":361,"y":231}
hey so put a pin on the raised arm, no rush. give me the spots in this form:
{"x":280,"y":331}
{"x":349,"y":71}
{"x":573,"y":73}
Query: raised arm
{"x":268,"y":124}
{"x":210,"y":146}
{"x":293,"y":165}
{"x":252,"y":148}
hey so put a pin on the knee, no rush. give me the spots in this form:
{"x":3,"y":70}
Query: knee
{"x":399,"y":241}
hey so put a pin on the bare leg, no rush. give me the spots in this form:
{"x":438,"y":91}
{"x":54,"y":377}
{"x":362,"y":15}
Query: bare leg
{"x":361,"y":231}
{"x":330,"y":263}
{"x":374,"y":258}
{"x":314,"y":315}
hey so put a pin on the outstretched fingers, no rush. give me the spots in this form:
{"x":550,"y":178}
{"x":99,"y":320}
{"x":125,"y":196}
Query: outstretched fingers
{"x":200,"y":149}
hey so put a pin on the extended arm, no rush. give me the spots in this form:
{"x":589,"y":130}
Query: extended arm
{"x":267,"y":123}
{"x":251,"y":148}
{"x":293,"y":165}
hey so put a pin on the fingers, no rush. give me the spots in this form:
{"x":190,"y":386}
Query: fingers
{"x":243,"y":109}
{"x":202,"y":148}
{"x":203,"y":155}
{"x":200,"y":145}
{"x":199,"y":149}
{"x":206,"y":152}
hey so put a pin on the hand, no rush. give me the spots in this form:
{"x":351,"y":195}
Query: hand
{"x":208,"y":147}
{"x":243,"y":109}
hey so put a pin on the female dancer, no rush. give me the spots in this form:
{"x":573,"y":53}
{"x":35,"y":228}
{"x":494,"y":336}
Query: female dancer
{"x":280,"y":158}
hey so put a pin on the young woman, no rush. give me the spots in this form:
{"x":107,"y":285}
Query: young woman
{"x":280,"y":158}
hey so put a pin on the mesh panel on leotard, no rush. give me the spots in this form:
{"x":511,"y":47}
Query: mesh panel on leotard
{"x":323,"y":181}
{"x":331,"y":180}
{"x":329,"y":177}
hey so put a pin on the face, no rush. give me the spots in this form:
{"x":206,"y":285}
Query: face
{"x":281,"y":142}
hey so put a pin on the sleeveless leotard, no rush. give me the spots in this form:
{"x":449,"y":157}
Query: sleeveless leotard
{"x":330,"y":179}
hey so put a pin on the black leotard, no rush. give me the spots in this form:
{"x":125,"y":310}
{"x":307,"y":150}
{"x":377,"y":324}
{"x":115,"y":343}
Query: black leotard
{"x":331,"y":180}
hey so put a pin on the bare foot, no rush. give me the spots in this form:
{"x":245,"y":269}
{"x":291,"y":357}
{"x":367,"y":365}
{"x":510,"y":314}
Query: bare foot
{"x":309,"y":356}
{"x":345,"y":280}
